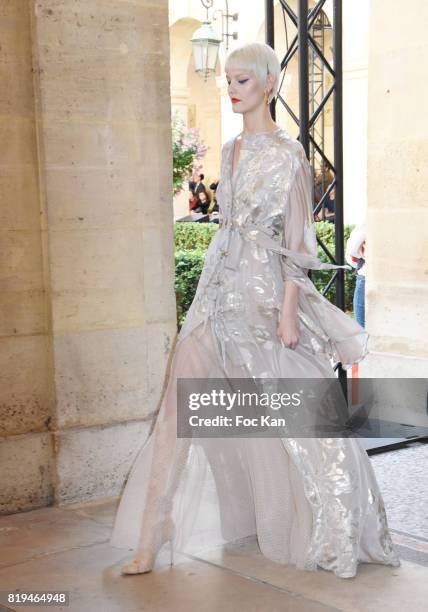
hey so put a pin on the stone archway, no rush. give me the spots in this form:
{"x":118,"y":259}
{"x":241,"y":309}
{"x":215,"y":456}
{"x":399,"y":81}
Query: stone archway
{"x":196,"y":101}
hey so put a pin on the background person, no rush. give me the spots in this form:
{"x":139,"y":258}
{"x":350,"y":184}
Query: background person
{"x":355,"y":256}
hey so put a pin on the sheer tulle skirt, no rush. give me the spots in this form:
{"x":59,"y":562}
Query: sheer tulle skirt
{"x":220,"y":490}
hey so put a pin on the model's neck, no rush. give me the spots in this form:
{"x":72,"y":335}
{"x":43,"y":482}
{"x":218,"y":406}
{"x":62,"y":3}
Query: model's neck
{"x":258,"y":120}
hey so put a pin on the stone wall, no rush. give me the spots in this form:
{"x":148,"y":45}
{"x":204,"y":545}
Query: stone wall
{"x":88,"y":270}
{"x":397,"y":222}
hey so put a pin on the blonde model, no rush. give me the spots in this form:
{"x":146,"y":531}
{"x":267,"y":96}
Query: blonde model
{"x":310,"y":502}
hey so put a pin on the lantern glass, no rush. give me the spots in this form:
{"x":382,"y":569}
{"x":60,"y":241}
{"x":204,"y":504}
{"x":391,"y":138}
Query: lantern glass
{"x":212,"y":55}
{"x":205,"y":43}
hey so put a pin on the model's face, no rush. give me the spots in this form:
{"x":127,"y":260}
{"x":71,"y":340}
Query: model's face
{"x":245,"y":92}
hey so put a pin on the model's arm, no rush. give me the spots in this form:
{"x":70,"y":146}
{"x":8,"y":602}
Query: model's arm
{"x":298,"y":215}
{"x":288,"y":328}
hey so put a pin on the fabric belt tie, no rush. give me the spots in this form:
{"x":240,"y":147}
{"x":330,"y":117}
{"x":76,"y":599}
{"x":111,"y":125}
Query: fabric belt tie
{"x":263,"y":237}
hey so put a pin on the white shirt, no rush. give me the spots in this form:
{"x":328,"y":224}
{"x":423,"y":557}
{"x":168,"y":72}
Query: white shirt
{"x":355,"y":247}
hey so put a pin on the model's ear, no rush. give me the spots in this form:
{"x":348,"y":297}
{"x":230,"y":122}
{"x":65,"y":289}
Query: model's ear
{"x":270,"y":81}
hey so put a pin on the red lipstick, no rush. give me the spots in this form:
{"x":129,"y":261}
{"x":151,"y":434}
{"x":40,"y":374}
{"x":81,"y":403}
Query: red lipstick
{"x":234,"y":100}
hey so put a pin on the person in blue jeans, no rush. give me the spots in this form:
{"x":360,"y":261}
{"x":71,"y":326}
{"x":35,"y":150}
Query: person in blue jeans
{"x":355,"y":256}
{"x":360,"y":299}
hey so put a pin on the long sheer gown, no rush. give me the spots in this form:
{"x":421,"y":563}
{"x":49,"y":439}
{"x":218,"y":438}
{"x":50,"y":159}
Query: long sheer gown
{"x":311,"y":502}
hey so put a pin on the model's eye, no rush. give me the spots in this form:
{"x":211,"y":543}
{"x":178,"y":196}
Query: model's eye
{"x":243,"y":81}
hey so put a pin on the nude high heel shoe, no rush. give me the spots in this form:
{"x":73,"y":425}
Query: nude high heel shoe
{"x":144,"y":562}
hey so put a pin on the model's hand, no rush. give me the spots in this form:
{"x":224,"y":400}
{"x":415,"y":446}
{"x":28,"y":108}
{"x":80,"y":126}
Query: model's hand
{"x":288,"y":331}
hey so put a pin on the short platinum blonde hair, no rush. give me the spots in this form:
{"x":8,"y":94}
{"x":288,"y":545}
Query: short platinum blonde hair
{"x":261,"y":59}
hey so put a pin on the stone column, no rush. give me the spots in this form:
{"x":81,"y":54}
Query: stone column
{"x":397,"y":222}
{"x":101,"y":103}
{"x":27,"y":404}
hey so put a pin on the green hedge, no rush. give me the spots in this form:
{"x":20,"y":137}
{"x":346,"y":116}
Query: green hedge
{"x":188,"y":268}
{"x":320,"y":278}
{"x":190,"y":236}
{"x":192,"y":241}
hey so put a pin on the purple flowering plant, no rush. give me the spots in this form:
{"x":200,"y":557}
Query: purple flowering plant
{"x":187,"y":149}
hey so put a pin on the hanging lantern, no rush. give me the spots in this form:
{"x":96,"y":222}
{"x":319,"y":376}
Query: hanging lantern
{"x":205,"y":43}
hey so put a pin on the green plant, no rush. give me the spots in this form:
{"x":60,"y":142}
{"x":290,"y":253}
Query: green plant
{"x":193,"y":236}
{"x":320,"y":278}
{"x":188,"y":268}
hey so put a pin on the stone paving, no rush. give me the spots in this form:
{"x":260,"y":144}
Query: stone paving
{"x":403,"y":478}
{"x":67,"y":548}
